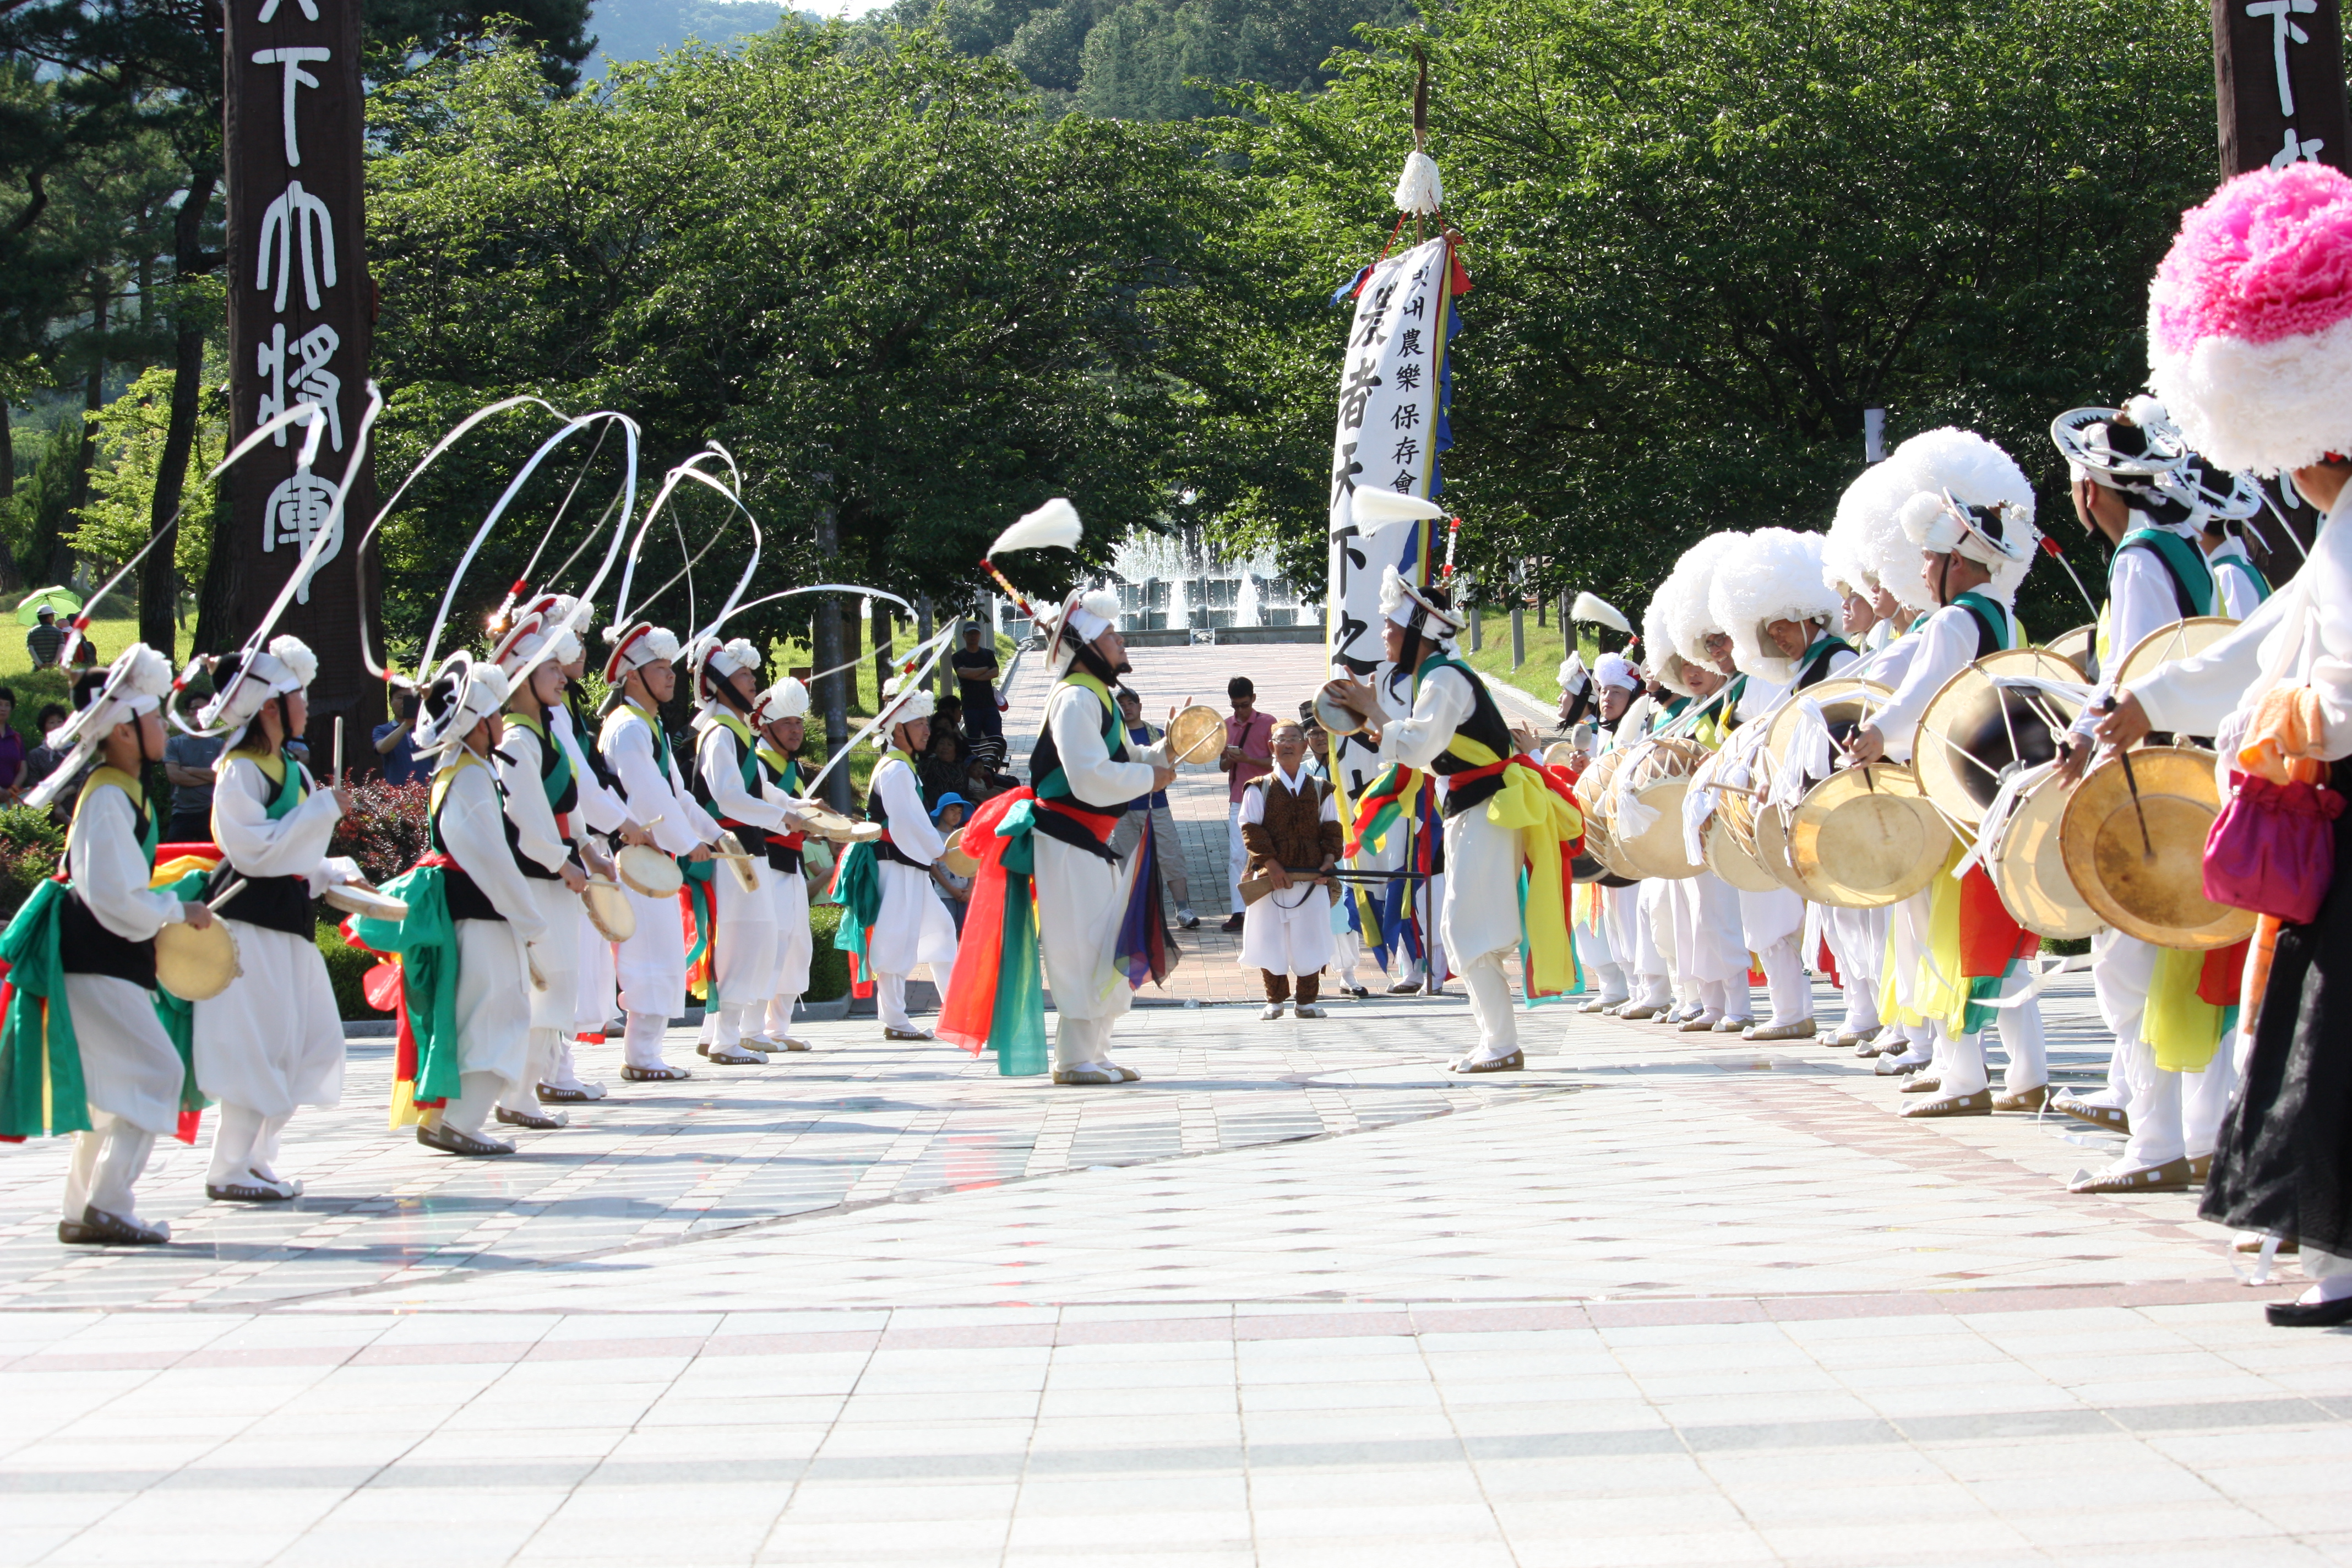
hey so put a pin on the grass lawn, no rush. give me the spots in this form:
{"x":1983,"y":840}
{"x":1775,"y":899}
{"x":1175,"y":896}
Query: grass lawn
{"x":116,"y":628}
{"x":1545,"y":649}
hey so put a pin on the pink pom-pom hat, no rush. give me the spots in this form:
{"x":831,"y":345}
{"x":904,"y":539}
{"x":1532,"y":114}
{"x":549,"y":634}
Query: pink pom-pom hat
{"x":2250,"y":321}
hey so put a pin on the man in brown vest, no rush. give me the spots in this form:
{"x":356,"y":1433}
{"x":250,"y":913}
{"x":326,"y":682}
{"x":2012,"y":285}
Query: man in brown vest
{"x":1290,"y":824}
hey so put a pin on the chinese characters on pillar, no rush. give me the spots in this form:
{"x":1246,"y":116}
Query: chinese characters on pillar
{"x":2279,"y":81}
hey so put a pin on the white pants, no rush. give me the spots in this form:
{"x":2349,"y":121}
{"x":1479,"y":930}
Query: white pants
{"x":788,"y":909}
{"x":494,"y":1001}
{"x":1786,"y":984}
{"x":912,"y":931}
{"x":1858,"y":938}
{"x":1480,"y":923}
{"x":2174,"y":1115}
{"x":1957,"y":1061}
{"x":244,"y":1144}
{"x":274,"y":1039}
{"x":552,"y":1009}
{"x":106,"y":1163}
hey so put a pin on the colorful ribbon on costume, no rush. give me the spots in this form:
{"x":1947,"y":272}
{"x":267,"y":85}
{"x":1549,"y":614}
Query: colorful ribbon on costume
{"x":41,"y":1087}
{"x":996,"y":1000}
{"x":697,"y":914}
{"x":422,"y":949}
{"x":857,"y":887}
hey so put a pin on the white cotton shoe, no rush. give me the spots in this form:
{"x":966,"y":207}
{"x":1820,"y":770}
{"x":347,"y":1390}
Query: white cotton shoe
{"x":734,"y":1056}
{"x":1307,"y":1010}
{"x":1088,"y":1074}
{"x":1273,"y":1010}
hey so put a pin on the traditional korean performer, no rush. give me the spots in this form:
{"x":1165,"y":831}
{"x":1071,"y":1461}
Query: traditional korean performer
{"x":1501,"y":814}
{"x":495,"y":918}
{"x":782,"y":715}
{"x":542,"y":792}
{"x":81,"y":1026}
{"x":1290,"y":827}
{"x":1971,"y":521}
{"x":727,"y":782}
{"x":912,"y":927}
{"x":650,"y":966}
{"x":273,"y":1040}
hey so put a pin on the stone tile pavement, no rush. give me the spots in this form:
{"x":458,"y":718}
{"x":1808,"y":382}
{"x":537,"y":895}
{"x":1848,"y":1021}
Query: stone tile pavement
{"x":1297,"y":1298}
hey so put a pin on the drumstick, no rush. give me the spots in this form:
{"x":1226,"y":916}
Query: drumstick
{"x":237,"y":885}
{"x":2131,"y":782}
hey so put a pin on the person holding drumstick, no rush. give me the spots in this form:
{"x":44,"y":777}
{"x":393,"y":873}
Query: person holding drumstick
{"x":274,"y":1039}
{"x":782,"y":714}
{"x":650,"y":966}
{"x":106,"y":919}
{"x":727,"y":785}
{"x":912,"y":927}
{"x":543,"y":802}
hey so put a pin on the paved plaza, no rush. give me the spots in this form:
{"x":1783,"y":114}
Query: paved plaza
{"x":1298,"y":1298}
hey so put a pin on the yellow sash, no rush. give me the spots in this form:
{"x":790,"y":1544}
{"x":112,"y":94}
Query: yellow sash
{"x":1529,"y":805}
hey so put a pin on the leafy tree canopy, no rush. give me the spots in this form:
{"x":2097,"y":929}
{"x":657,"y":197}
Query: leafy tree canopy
{"x":1706,"y":234}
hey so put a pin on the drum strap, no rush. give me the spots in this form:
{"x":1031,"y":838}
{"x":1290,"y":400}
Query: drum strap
{"x":2192,"y":578}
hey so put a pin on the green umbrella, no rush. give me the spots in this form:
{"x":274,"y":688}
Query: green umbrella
{"x":65,"y":601}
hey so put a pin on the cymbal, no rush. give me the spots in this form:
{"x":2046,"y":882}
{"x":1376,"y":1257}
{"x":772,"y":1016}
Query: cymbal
{"x":2182,"y":639}
{"x":1845,"y":703}
{"x":1865,"y":838}
{"x":2153,"y":889}
{"x":1971,"y":731}
{"x":1660,"y":777}
{"x":1198,"y":735}
{"x":1561,"y":754}
{"x":2027,"y":869}
{"x":1729,"y":843}
{"x":2077,"y":647}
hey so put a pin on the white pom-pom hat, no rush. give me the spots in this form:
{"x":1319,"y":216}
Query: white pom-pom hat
{"x":1964,"y":493}
{"x":713,"y":662}
{"x":1664,"y":665}
{"x":1772,"y":575}
{"x":787,"y":699}
{"x":1082,"y":617}
{"x":2250,"y":321}
{"x":904,"y":701}
{"x":1690,"y":620}
{"x":635,"y":646}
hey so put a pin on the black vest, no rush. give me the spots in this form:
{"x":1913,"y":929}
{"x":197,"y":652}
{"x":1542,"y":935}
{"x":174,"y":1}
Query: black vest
{"x":86,"y":947}
{"x":563,"y":806}
{"x":273,"y":903}
{"x":1816,"y":666}
{"x":1486,"y":726}
{"x":466,"y":900}
{"x":752,"y":839}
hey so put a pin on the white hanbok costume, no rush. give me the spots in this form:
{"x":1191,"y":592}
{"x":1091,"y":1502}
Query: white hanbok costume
{"x":786,"y":881}
{"x":651,"y":965}
{"x":743,"y":955}
{"x":593,"y":981}
{"x":912,"y":927}
{"x":495,"y":994}
{"x":543,"y":849}
{"x":274,"y":1039}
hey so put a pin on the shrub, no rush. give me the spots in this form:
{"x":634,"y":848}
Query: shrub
{"x":828,"y":968}
{"x":388,"y":829}
{"x":347,"y":967}
{"x":31,"y":846}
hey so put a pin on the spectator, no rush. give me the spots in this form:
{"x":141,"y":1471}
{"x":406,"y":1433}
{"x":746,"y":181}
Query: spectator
{"x":975,"y":673}
{"x":85,"y":656}
{"x":943,"y":766}
{"x":983,"y":774}
{"x":43,"y":641}
{"x":396,"y":746}
{"x":43,"y":760}
{"x":14,"y":776}
{"x":1249,"y":754}
{"x":949,"y":715}
{"x":947,"y":815}
{"x":190,"y":765}
{"x":1153,"y":808}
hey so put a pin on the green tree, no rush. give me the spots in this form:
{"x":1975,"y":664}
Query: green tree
{"x":877,"y":277}
{"x":131,"y":432}
{"x":1707,"y":235}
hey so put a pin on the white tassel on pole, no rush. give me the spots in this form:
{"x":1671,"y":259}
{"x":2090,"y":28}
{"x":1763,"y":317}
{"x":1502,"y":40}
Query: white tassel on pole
{"x":1419,"y":192}
{"x":1600,"y":612}
{"x":1055,"y":522}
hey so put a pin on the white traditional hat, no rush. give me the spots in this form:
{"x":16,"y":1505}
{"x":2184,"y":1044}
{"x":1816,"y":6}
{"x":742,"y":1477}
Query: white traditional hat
{"x":1083,"y":615}
{"x":1690,"y":620}
{"x":1969,"y":496}
{"x":1866,"y":517}
{"x":1664,"y":665}
{"x":1573,"y":677}
{"x":286,"y":667}
{"x":635,"y":646}
{"x":136,"y":683}
{"x":1615,"y":669}
{"x":1772,"y":575}
{"x":525,"y":640}
{"x":2140,"y":454}
{"x":462,"y":693}
{"x":787,"y":699}
{"x":904,"y":701}
{"x":1418,"y":609}
{"x":561,"y":618}
{"x":713,"y":662}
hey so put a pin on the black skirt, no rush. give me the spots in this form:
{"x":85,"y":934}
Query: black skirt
{"x":2284,"y":1163}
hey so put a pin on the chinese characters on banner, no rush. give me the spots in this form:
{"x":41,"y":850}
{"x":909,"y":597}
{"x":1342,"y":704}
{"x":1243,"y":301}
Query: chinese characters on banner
{"x":1386,"y":439}
{"x":301,"y":308}
{"x":2278,"y":74}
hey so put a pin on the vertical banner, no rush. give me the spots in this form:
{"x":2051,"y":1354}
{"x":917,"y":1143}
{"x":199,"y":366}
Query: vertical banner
{"x":1390,"y":430}
{"x":2278,"y":84}
{"x":301,"y":309}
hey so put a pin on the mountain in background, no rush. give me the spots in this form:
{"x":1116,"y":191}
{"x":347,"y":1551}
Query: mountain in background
{"x":629,"y":30}
{"x":1136,"y":59}
{"x":1126,"y":59}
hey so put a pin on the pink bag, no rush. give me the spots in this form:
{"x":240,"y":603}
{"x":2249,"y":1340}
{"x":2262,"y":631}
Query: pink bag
{"x":2272,"y":849}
